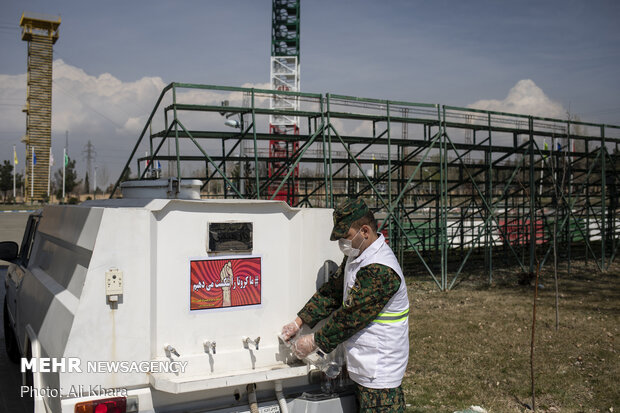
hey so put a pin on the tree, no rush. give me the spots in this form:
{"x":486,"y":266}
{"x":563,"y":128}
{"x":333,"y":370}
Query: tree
{"x":126,"y":175}
{"x":6,"y":178}
{"x":19,"y":181}
{"x":102,"y":177}
{"x":86,"y":184}
{"x":71,"y":181}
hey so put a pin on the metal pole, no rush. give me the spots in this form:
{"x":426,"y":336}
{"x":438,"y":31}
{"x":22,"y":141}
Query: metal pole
{"x":570,"y":194}
{"x":445,"y":205}
{"x":14,"y":172}
{"x":603,"y":197}
{"x":389,"y":168}
{"x":32,"y":175}
{"x":329,"y":196}
{"x":587,"y":150}
{"x":324,"y":151}
{"x":176,"y":135}
{"x":224,"y":167}
{"x":490,"y":201}
{"x":49,"y":172}
{"x":255,"y":148}
{"x":242,"y":156}
{"x":532,"y":199}
{"x":441,"y":205}
{"x":349,"y":186}
{"x":64,"y":164}
{"x":488,"y":229}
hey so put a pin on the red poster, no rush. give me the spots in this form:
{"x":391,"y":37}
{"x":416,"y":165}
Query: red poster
{"x":225,"y":282}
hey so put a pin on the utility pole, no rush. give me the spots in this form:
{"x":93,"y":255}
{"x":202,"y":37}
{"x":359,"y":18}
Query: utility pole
{"x":89,"y":155}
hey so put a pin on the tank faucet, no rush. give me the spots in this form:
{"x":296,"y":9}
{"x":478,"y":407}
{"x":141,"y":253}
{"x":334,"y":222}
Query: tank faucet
{"x":209,"y":346}
{"x":247,"y":341}
{"x":169,"y":349}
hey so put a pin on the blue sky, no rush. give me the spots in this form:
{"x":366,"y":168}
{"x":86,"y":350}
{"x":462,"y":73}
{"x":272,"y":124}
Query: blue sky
{"x":449,"y":52}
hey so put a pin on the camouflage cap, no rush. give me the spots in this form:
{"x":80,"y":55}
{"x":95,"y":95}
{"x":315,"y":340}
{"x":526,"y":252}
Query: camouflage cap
{"x":346,"y":214}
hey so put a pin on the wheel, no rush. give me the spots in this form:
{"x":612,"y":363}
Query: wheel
{"x":10,"y":341}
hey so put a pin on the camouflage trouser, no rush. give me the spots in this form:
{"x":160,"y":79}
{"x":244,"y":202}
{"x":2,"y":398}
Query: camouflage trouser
{"x":380,"y":400}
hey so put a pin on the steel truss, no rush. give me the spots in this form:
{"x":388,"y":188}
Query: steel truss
{"x":453,"y":188}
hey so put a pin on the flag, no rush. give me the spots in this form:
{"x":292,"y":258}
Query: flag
{"x":546,"y":148}
{"x":158,"y":165}
{"x":51,"y":158}
{"x":34,"y":157}
{"x":15,"y":162}
{"x":66,"y":159}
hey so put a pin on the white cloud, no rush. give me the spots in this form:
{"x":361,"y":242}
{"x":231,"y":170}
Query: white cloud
{"x":109,"y":112}
{"x":103,"y":109}
{"x":133,"y":124}
{"x":84,"y":101}
{"x":524,"y":98}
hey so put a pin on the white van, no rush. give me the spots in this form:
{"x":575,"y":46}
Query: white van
{"x":149,"y":304}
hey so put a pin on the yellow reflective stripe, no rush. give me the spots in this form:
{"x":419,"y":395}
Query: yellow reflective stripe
{"x":391,"y":317}
{"x":394,"y":314}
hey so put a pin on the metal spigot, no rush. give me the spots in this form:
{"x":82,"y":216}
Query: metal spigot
{"x":169,"y":349}
{"x":209,"y":346}
{"x":247,"y":341}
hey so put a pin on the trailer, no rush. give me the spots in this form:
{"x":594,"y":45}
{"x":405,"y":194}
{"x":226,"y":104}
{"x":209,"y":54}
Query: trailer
{"x":163,"y":302}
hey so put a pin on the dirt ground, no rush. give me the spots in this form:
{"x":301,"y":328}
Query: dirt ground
{"x":471,"y":345}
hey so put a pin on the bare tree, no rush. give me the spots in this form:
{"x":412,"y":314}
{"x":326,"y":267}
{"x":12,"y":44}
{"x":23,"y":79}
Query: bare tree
{"x":103,"y":176}
{"x":558,"y":174}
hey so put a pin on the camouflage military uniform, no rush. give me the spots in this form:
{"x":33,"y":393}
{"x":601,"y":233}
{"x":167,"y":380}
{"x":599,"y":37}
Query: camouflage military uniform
{"x":380,"y":400}
{"x":375,"y":284}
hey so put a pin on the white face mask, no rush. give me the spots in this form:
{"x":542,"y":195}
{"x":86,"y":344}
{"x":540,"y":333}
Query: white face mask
{"x":346,"y":246}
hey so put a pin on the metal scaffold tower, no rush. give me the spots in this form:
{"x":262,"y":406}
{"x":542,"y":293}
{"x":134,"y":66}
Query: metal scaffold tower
{"x":284,"y":77}
{"x":41,"y":32}
{"x":454,"y":189}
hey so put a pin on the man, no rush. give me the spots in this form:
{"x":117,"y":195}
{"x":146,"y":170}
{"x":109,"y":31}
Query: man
{"x":367,"y":298}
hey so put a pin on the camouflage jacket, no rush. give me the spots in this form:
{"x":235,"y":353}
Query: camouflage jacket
{"x":375,"y":284}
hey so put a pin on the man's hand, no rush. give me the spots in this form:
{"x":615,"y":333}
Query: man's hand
{"x":291,"y":329}
{"x":303,"y":346}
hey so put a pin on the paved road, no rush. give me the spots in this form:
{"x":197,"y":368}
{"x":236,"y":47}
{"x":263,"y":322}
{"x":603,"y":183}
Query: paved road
{"x":12,"y":226}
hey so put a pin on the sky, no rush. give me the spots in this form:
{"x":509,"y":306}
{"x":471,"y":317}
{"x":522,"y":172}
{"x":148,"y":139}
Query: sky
{"x":114,"y":57}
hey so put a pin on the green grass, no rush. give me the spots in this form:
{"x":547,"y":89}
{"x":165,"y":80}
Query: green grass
{"x":471,"y":345}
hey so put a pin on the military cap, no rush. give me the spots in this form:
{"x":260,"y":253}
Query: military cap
{"x":346,"y":214}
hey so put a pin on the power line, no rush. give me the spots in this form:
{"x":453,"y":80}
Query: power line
{"x":87,"y":105}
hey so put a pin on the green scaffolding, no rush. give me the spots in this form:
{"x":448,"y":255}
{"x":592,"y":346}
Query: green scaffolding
{"x":453,"y":188}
